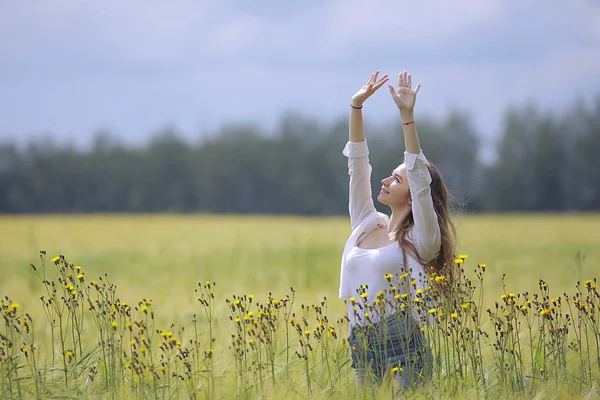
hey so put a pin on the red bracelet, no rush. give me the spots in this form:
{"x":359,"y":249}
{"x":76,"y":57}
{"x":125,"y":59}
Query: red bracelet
{"x":408,"y":123}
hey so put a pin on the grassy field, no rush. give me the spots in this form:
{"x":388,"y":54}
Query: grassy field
{"x":163,"y":258}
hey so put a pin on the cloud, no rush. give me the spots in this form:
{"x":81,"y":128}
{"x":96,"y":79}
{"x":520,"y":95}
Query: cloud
{"x":135,"y":65}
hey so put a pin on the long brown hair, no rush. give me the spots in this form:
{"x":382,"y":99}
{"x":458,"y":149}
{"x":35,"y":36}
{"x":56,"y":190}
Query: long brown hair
{"x":443,"y":264}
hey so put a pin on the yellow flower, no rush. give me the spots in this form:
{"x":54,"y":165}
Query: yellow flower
{"x":454,"y":315}
{"x":397,"y":297}
{"x":404,"y":276}
{"x":115,"y":324}
{"x":250,"y":296}
{"x":463,"y":256}
{"x":439,"y":278}
{"x":14,"y":306}
{"x":465,"y":306}
{"x":55,"y":259}
{"x":364,"y":295}
{"x":419,"y":291}
{"x":482,"y":266}
{"x":432,"y":311}
{"x":388,"y":277}
{"x":307,"y":332}
{"x":459,"y":261}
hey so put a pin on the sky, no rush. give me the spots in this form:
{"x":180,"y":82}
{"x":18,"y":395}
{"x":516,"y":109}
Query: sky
{"x":69,"y":68}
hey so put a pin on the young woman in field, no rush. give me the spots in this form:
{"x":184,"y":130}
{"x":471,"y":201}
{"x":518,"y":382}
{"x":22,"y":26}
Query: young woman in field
{"x":386,"y":257}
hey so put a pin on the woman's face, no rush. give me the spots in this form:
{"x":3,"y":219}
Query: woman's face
{"x":395,"y":191}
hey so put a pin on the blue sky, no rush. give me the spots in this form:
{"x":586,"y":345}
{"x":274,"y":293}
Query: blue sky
{"x":71,"y":67}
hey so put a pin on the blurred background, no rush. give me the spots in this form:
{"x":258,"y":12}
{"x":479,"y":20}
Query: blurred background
{"x":242,"y":107}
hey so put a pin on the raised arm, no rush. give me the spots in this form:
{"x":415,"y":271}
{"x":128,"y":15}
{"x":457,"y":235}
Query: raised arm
{"x":426,"y":232}
{"x":360,"y":195}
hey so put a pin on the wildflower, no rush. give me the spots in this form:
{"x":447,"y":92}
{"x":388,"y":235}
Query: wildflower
{"x":115,"y":324}
{"x":78,"y":267}
{"x":465,"y":306}
{"x":459,"y":261}
{"x":250,"y":296}
{"x":142,"y":349}
{"x":463,"y":256}
{"x":404,"y":276}
{"x":388,"y":277}
{"x":25,"y":351}
{"x":432,"y":311}
{"x":55,"y":260}
{"x":364,"y":295}
{"x":454,"y":315}
{"x":414,"y":282}
{"x":307,"y":332}
{"x":397,"y":297}
{"x":396,"y":370}
{"x":439,"y":278}
{"x":80,"y":277}
{"x":69,"y":355}
{"x":14,"y":306}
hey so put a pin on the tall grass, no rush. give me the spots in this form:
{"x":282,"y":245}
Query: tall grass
{"x":248,"y":308}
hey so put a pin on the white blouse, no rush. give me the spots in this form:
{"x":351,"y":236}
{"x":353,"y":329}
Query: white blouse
{"x":369,"y":266}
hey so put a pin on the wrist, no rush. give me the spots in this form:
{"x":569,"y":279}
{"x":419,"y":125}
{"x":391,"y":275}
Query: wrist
{"x":407,"y":115}
{"x":356,"y":105}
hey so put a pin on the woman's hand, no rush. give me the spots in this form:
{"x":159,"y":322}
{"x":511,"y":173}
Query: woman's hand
{"x":404,"y":97}
{"x":370,"y":87}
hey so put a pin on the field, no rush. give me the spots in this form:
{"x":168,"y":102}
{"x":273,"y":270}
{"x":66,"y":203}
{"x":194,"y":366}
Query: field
{"x":163,"y":258}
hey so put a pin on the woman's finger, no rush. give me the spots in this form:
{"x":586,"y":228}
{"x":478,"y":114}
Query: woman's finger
{"x":409,"y":81}
{"x":417,"y":88}
{"x":400,"y":80}
{"x":392,"y":90}
{"x":383,"y":80}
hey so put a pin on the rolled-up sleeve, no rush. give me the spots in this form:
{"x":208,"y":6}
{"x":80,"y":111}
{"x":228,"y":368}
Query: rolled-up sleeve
{"x":426,"y":232}
{"x":360,"y":202}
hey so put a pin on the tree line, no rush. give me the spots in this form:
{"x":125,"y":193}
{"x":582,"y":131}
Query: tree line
{"x":545,"y":161}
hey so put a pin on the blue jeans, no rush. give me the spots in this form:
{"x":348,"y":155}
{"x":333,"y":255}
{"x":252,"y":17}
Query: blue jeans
{"x":395,"y":341}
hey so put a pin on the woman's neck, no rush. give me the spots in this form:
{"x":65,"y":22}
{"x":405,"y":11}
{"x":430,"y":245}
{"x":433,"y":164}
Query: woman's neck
{"x":397,"y":218}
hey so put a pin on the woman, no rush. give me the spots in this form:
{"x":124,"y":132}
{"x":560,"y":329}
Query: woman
{"x":386,"y":260}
